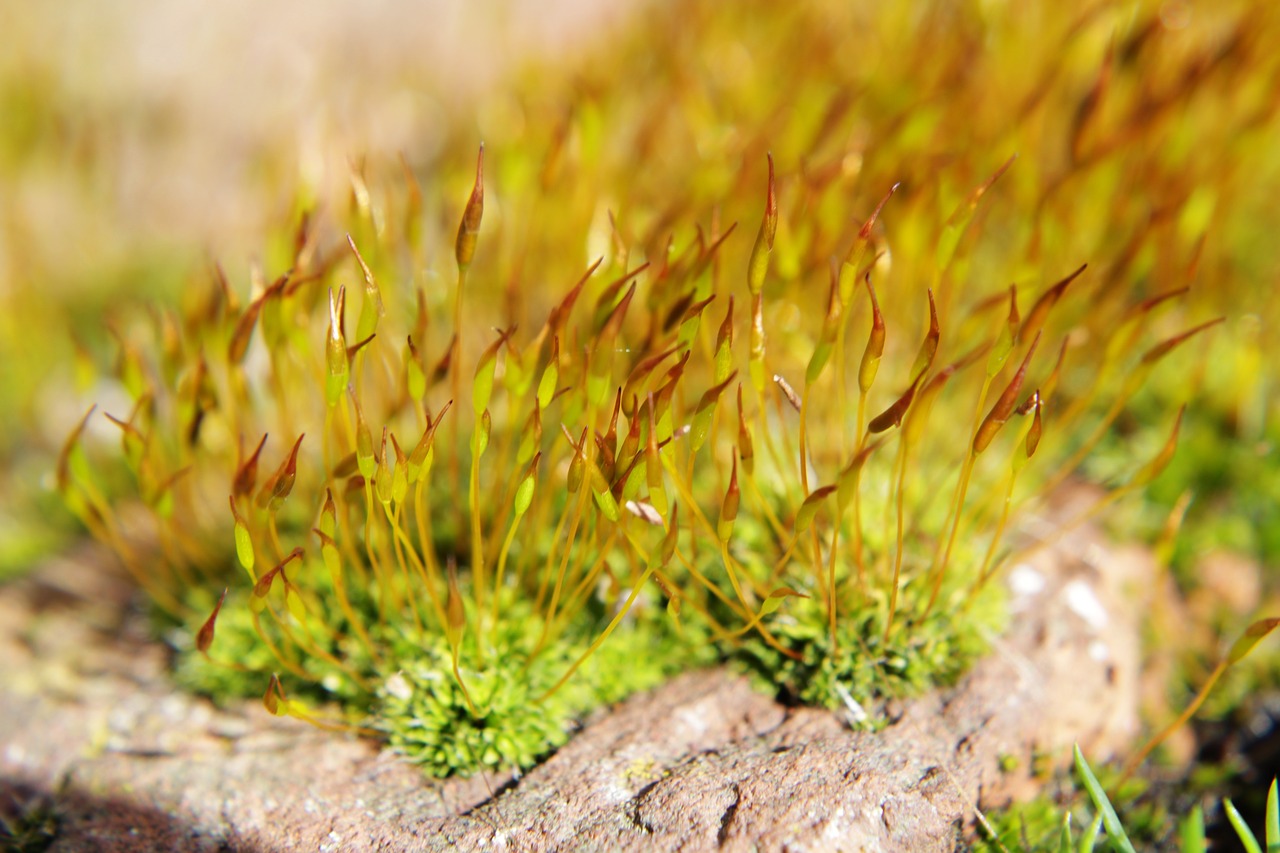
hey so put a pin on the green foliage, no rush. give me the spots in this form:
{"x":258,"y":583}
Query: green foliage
{"x":1232,"y":478}
{"x":1034,"y":826}
{"x":1129,"y":817}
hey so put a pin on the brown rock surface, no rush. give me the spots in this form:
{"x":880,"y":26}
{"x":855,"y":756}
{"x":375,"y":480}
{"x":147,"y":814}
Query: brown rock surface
{"x":89,"y":723}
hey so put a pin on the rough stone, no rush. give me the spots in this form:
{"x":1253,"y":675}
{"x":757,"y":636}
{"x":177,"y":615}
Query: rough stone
{"x":90,"y":724}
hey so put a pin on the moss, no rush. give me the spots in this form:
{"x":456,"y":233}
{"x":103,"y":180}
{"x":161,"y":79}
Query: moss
{"x":241,"y":663}
{"x":865,"y":667}
{"x":629,"y":442}
{"x":423,"y":711}
{"x":1031,"y":827}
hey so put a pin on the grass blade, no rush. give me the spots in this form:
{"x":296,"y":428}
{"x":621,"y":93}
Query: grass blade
{"x":1273,"y":820}
{"x":1115,"y":831}
{"x":1192,"y":832}
{"x":1090,"y":838}
{"x":1246,"y":835}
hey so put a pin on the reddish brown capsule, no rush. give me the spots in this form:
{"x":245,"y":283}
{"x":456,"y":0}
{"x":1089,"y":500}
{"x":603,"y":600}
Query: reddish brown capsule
{"x":758,"y":264}
{"x":280,"y":484}
{"x":1040,"y":310}
{"x":69,"y":448}
{"x":724,"y":337}
{"x":1163,"y":348}
{"x":1034,"y":433}
{"x":469,"y":227}
{"x":1003,"y":408}
{"x":746,"y":448}
{"x":274,"y":699}
{"x":577,"y":465}
{"x":441,"y":370}
{"x":892,"y":416}
{"x":247,"y":472}
{"x":729,"y":507}
{"x":244,"y":326}
{"x":929,"y":346}
{"x":204,"y":637}
{"x":560,"y":314}
{"x":609,"y":331}
{"x":243,"y":332}
{"x":263,"y":586}
{"x":875,"y":344}
{"x":865,"y":231}
{"x":809,"y":508}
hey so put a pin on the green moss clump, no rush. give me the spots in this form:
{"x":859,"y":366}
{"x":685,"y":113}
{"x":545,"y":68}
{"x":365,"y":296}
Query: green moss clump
{"x":244,"y":662}
{"x":425,"y":716}
{"x":867,"y":668}
{"x":518,"y":716}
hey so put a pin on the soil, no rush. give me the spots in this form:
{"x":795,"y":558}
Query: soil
{"x":91,"y":728}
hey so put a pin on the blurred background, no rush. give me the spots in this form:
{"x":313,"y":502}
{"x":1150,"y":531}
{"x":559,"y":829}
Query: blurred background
{"x":142,"y":141}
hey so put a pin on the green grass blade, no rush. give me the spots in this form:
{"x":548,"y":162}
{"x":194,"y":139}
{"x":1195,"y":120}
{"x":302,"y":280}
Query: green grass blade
{"x":1115,"y":831}
{"x":1273,"y":820}
{"x":1064,"y":839}
{"x":1192,"y":832}
{"x":1242,"y":829}
{"x":1090,"y":838}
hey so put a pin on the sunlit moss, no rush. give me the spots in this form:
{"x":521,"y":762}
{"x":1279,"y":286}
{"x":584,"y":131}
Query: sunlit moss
{"x":424,"y":715}
{"x":725,"y":352}
{"x":865,"y":668}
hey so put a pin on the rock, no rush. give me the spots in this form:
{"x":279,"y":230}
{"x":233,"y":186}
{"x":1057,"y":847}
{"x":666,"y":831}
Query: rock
{"x":89,"y":722}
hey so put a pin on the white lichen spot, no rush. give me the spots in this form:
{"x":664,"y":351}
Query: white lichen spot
{"x":1099,"y":651}
{"x":694,"y":718}
{"x":1084,"y":602}
{"x":856,"y":713}
{"x":399,"y":687}
{"x":1025,"y":580}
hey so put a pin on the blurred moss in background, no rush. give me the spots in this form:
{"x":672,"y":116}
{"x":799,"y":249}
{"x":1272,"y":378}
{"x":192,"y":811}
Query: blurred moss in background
{"x":142,"y":141}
